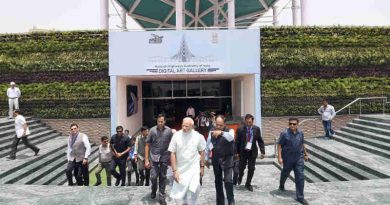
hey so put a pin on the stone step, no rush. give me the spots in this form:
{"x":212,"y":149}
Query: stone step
{"x":368,"y":131}
{"x":363,"y":146}
{"x":350,"y":134}
{"x":328,"y":167}
{"x":57,"y":176}
{"x":381,"y":125}
{"x":309,"y":177}
{"x":28,"y":172}
{"x":92,"y":166}
{"x":35,"y":141}
{"x":31,"y":137}
{"x":376,"y":118}
{"x":11,"y":125}
{"x":347,"y":158}
{"x":310,"y":166}
{"x":11,"y":132}
{"x":94,"y":160}
{"x":33,"y":130}
{"x":6,"y":121}
{"x":15,"y":170}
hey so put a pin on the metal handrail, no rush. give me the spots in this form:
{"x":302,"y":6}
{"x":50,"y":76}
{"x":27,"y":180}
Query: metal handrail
{"x":360,"y":106}
{"x":314,"y":121}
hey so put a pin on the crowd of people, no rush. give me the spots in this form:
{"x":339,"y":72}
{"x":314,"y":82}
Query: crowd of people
{"x":185,"y":153}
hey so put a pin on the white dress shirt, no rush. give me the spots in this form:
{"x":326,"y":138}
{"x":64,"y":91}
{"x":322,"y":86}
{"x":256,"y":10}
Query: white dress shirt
{"x":13,"y":92}
{"x":328,"y":113}
{"x":87,"y":148}
{"x":19,"y":126}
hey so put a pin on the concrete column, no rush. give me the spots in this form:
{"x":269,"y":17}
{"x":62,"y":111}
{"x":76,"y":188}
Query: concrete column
{"x":275,"y":15}
{"x":216,"y":13}
{"x":113,"y":103}
{"x":303,"y":12}
{"x":231,"y":14}
{"x":179,"y":14}
{"x":104,"y":16}
{"x":123,"y":19}
{"x":257,"y":96}
{"x":294,"y":12}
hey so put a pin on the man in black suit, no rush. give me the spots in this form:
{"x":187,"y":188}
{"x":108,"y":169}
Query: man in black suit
{"x":246,"y":149}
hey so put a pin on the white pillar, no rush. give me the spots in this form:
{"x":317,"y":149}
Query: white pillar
{"x":275,"y":15}
{"x":294,"y":12}
{"x":216,"y":5}
{"x":104,"y":14}
{"x":123,"y":19}
{"x":179,"y":14}
{"x":257,"y":96}
{"x":303,"y":12}
{"x":231,"y":14}
{"x":113,"y":103}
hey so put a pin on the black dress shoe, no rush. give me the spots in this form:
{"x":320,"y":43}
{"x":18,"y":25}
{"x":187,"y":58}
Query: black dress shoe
{"x":304,"y":202}
{"x":231,"y":203}
{"x":36,"y":153}
{"x":117,"y":182}
{"x":163,"y":202}
{"x":11,"y":158}
{"x":281,"y":188}
{"x":249,"y":187}
{"x":153,"y":195}
{"x":239,"y":181}
{"x":97,"y":183}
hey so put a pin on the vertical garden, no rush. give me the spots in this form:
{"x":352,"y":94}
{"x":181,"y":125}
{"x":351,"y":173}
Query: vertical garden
{"x":65,"y":74}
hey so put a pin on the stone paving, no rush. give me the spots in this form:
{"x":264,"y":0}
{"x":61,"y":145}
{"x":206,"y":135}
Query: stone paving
{"x":265,"y":192}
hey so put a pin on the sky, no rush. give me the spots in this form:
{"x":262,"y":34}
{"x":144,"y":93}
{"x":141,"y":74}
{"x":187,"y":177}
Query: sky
{"x":21,"y":15}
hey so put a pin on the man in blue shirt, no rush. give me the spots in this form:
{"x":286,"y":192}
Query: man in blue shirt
{"x":291,"y":155}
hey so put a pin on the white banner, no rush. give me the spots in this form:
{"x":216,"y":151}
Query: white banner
{"x":184,"y":52}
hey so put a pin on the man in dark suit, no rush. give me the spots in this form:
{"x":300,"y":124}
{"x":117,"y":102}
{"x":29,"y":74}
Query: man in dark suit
{"x":246,"y":149}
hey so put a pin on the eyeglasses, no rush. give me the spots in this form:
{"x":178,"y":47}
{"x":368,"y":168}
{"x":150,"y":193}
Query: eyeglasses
{"x":119,"y":131}
{"x":292,"y":124}
{"x":73,"y":128}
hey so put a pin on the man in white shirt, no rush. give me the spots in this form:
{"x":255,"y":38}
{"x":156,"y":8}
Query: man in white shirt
{"x":187,"y":160}
{"x":190,"y":112}
{"x":22,"y":132}
{"x":328,"y":113}
{"x":105,"y":157}
{"x":78,"y":152}
{"x":13,"y":94}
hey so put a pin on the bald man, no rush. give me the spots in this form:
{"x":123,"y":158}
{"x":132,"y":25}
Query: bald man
{"x":187,"y":160}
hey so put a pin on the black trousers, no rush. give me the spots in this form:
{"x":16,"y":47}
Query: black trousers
{"x":132,"y":166}
{"x":246,"y":158}
{"x":159,"y":170}
{"x":80,"y":172}
{"x":145,"y":176}
{"x":122,"y":170}
{"x":224,"y":174}
{"x":26,"y":142}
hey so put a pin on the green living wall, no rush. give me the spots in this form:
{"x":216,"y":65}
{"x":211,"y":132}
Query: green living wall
{"x":65,"y":74}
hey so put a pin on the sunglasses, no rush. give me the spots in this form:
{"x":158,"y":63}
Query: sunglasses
{"x":73,"y":128}
{"x":292,"y":123}
{"x":119,"y":131}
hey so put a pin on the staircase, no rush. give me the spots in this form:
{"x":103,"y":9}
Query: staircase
{"x":48,"y":168}
{"x":359,"y":151}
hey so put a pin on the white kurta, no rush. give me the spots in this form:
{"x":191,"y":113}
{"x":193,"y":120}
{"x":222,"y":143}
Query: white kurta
{"x":187,"y":148}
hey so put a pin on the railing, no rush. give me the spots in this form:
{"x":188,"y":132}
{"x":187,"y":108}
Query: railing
{"x":384,"y":102}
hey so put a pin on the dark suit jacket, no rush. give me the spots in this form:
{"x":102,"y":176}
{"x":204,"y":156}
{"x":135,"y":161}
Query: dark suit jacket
{"x":241,"y":140}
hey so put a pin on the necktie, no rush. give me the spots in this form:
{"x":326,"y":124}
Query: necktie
{"x":248,"y":136}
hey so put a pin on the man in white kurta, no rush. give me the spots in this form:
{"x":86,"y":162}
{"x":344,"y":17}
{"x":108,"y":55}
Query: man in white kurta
{"x":187,"y":160}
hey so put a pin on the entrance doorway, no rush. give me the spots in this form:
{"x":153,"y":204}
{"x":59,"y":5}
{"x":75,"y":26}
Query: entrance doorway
{"x":174,"y":97}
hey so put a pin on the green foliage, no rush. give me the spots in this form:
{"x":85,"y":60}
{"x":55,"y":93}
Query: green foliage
{"x":326,"y":87}
{"x":62,"y":91}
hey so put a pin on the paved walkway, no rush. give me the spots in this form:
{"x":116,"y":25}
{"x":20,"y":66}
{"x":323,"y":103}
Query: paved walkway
{"x":265,"y":192}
